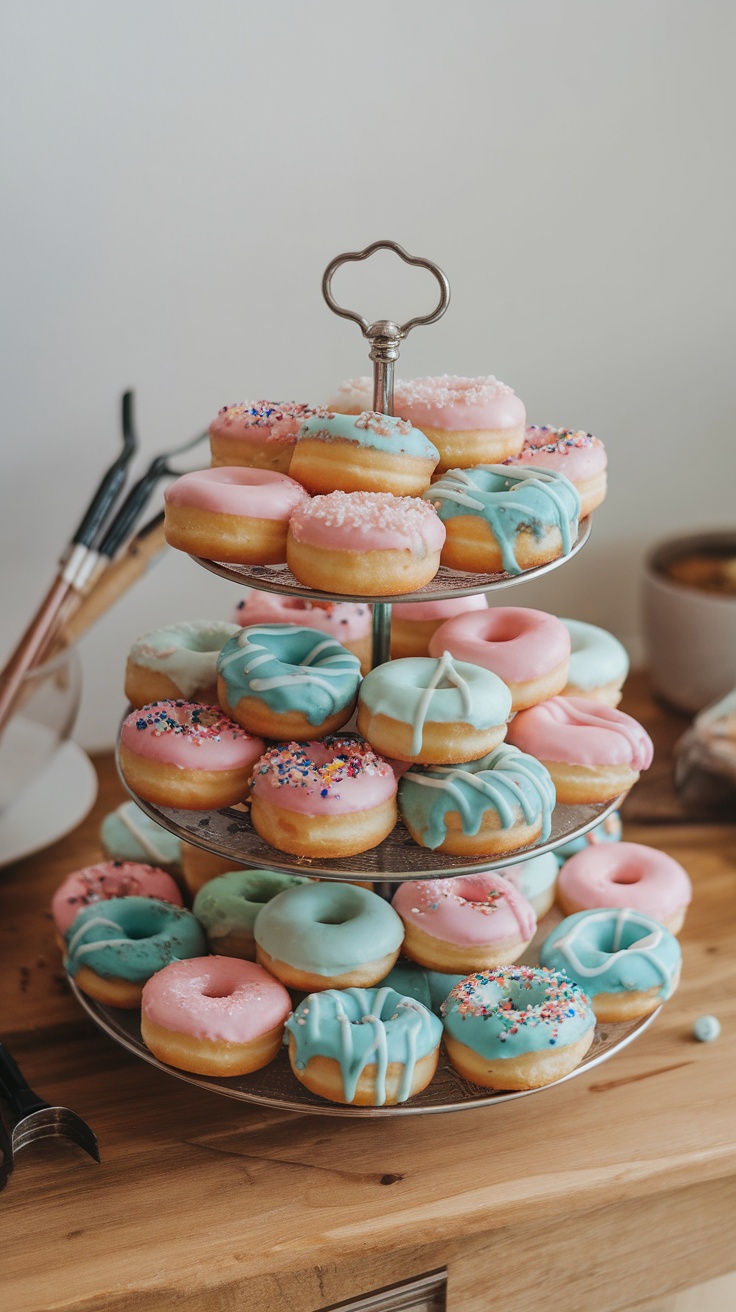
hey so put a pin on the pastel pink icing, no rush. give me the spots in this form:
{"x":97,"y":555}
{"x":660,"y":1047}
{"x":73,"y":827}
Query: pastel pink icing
{"x":625,"y":875}
{"x":262,"y":421}
{"x":227,"y":490}
{"x":514,"y":642}
{"x":577,"y":455}
{"x":312,"y":779}
{"x":222,"y":999}
{"x":343,"y":620}
{"x":470,"y":910}
{"x":368,"y":521}
{"x":581,"y":732}
{"x":109,"y":879}
{"x":189,"y":736}
{"x":438,"y":610}
{"x":449,"y":402}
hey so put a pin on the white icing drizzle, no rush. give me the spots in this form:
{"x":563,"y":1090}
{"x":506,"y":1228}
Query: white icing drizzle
{"x":447,"y":672}
{"x":646,"y":947}
{"x":126,"y":816}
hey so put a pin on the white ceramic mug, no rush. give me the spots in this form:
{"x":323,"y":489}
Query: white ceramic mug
{"x":689,"y":634}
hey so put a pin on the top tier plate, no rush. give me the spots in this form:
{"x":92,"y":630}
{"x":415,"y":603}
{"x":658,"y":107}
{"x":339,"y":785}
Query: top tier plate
{"x":446,"y":583}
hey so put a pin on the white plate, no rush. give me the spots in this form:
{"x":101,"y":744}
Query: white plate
{"x":54,"y":804}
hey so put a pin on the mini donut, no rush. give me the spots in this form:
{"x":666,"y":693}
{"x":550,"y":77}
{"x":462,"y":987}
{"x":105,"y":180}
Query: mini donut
{"x":112,"y":950}
{"x":517,"y":1027}
{"x":593,"y":752}
{"x":370,"y":452}
{"x":366,"y":1047}
{"x":369,"y":543}
{"x":442,"y":711}
{"x":214,"y":1016}
{"x":227,"y":907}
{"x":430,"y":987}
{"x":105,"y":880}
{"x":323,"y":799}
{"x":199,"y":866}
{"x":348,"y":622}
{"x":536,"y":879}
{"x":501,"y":803}
{"x":528,"y":649}
{"x":599,"y":663}
{"x":257,"y":434}
{"x":464,"y":924}
{"x":179,"y":660}
{"x":500,"y":520}
{"x":609,"y":830}
{"x":627,"y":962}
{"x":128,"y":834}
{"x":579,"y":456}
{"x":286,"y":682}
{"x":414,"y":622}
{"x":626,"y":875}
{"x":328,"y":935}
{"x":239,"y":516}
{"x":180,"y":754}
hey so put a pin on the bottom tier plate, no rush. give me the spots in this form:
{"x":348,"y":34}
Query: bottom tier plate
{"x":276,"y":1086}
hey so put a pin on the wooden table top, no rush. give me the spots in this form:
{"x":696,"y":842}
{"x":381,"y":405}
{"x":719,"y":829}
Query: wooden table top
{"x":202,"y":1202}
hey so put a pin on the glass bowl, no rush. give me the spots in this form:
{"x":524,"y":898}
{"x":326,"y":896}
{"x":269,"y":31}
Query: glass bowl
{"x":47,"y":708}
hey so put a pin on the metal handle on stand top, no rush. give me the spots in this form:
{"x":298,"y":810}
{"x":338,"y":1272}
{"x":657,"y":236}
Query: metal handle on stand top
{"x":385,"y":338}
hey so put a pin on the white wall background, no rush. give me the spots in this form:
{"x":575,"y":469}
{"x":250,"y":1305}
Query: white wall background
{"x":177,"y":173}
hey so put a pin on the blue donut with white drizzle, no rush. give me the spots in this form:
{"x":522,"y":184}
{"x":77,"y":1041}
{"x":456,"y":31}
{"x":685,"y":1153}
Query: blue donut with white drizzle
{"x":294,"y":682}
{"x":627,"y":962}
{"x":497,"y":804}
{"x":422,"y":709}
{"x":500,"y":520}
{"x":368,"y":1047}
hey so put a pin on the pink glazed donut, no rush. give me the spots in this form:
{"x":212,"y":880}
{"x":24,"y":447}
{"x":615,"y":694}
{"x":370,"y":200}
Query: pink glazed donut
{"x":109,"y":879}
{"x":592,"y":752}
{"x":214,"y":1015}
{"x":258,"y":434}
{"x":626,"y":875}
{"x":348,"y":622}
{"x":579,"y":456}
{"x":239,"y":516}
{"x":323,"y":799}
{"x":465,"y":924}
{"x":414,"y":622}
{"x":528,"y":649}
{"x":184,"y":755}
{"x":370,"y":543}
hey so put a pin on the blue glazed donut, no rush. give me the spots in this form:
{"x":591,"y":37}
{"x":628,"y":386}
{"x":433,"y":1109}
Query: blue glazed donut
{"x":227,"y":907}
{"x":627,"y":962}
{"x":504,"y":801}
{"x":498,"y":520}
{"x":517,"y":1027}
{"x":364,"y":1046}
{"x":113,"y":948}
{"x":294,"y":682}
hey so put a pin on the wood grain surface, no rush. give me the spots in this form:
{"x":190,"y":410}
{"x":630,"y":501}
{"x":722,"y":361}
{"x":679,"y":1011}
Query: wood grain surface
{"x":610,"y":1190}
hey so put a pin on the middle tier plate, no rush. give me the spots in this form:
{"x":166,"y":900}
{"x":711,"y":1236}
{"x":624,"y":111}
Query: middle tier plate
{"x":229,"y":833}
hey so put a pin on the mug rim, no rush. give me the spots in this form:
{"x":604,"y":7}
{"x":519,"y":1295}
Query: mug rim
{"x":667,"y":549}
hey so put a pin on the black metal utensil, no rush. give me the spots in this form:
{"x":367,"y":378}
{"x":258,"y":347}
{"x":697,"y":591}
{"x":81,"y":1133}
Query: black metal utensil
{"x":36,"y":1119}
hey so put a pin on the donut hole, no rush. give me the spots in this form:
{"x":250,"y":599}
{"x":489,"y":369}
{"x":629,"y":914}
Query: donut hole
{"x":626,"y":877}
{"x":257,"y":895}
{"x":507,"y":631}
{"x":334,"y":919}
{"x":137,"y":932}
{"x":214,"y":992}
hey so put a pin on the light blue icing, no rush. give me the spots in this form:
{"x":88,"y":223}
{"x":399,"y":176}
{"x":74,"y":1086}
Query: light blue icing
{"x":533,"y":499}
{"x":430,"y":987}
{"x":419,"y":688}
{"x":328,"y":928}
{"x":128,"y":834}
{"x":513,"y":1010}
{"x":505,"y":780}
{"x":608,"y":831}
{"x":620,"y":951}
{"x":132,"y":937}
{"x":534,"y":876}
{"x":596,"y":657}
{"x":360,"y":1027}
{"x":231,"y":902}
{"x":290,"y":668}
{"x":186,"y":652}
{"x":371,"y":429}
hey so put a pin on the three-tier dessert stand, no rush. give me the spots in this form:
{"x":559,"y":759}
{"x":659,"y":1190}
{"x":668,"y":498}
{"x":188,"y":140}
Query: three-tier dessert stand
{"x":229,"y":833}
